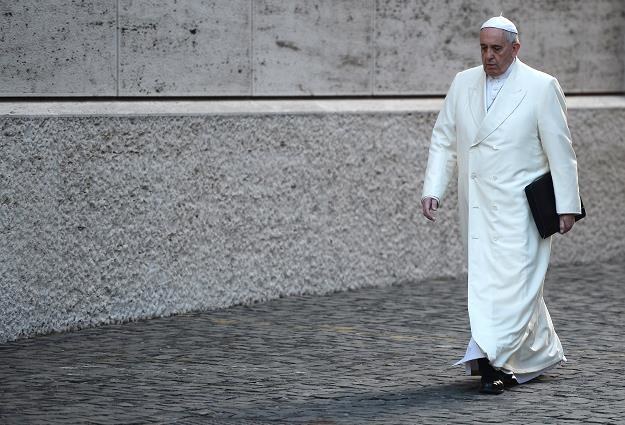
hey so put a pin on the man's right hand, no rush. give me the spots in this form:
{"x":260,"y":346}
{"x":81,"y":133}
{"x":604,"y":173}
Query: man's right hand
{"x":429,"y":205}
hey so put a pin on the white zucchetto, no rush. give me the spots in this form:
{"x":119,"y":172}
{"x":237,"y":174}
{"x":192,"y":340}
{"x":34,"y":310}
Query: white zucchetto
{"x":501,"y":23}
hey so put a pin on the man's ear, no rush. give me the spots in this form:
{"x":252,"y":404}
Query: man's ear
{"x":515,"y":48}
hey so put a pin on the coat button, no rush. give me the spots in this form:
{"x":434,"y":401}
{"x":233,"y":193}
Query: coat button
{"x":495,"y":178}
{"x":495,"y":208}
{"x":473,"y":175}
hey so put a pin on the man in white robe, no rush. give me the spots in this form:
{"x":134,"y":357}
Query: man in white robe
{"x":502,"y":125}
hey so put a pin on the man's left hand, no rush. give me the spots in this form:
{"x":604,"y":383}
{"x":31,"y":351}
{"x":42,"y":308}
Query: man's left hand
{"x":566,"y":222}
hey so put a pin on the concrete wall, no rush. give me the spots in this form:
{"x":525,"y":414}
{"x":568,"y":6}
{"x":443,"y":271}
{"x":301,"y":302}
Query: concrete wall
{"x":126,"y":213}
{"x":292,"y":47}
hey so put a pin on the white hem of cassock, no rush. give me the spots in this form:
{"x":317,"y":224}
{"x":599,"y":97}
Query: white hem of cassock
{"x":474,"y":352}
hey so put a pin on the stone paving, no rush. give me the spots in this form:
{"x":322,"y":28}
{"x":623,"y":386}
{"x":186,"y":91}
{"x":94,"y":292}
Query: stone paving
{"x":380,"y":355}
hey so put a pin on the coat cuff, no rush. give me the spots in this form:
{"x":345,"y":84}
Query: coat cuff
{"x":433,"y":197}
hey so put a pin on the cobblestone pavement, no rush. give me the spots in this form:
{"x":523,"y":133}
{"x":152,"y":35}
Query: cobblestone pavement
{"x":379,"y":355}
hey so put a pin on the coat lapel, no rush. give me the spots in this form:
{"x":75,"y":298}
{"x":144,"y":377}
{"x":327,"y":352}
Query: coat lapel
{"x":511,"y":95}
{"x":476,"y":100}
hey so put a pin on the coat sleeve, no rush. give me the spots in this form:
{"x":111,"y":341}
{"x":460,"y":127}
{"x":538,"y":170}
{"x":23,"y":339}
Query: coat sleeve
{"x":442,"y":153}
{"x":556,"y":141}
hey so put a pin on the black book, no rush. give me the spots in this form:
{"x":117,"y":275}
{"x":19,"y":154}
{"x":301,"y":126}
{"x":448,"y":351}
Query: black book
{"x":542,"y":201}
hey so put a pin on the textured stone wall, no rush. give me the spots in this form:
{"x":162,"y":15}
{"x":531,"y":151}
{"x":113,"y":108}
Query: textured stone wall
{"x":293,"y":47}
{"x":114,"y":218}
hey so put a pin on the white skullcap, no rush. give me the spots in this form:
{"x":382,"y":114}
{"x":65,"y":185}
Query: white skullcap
{"x":501,"y":23}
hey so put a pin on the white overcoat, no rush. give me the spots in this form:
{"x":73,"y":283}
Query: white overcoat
{"x":497,"y":153}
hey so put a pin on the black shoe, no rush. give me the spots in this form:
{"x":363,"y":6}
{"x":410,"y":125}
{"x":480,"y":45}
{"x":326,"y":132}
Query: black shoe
{"x":491,"y":387}
{"x":508,"y":380}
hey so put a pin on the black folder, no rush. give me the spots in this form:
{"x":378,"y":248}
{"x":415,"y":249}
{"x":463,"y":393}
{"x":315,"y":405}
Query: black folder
{"x":542,"y":201}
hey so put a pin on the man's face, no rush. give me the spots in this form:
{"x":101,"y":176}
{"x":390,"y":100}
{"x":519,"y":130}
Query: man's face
{"x":497,"y":52}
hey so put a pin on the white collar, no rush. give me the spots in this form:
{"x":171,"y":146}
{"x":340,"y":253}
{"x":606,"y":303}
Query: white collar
{"x":494,"y":85}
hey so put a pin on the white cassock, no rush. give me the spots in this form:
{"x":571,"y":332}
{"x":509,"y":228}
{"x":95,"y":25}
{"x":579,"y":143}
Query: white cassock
{"x":498,"y":152}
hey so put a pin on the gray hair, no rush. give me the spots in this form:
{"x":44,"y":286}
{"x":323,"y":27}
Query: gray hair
{"x":511,"y":37}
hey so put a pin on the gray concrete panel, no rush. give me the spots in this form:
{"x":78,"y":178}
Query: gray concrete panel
{"x":421,"y":45}
{"x":60,"y":48}
{"x":577,"y":41}
{"x":293,"y":47}
{"x":320,"y":47}
{"x":190,"y":48}
{"x":108,"y":219}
